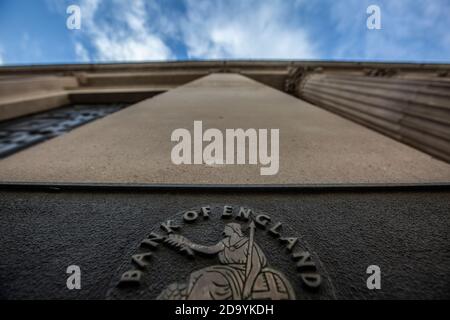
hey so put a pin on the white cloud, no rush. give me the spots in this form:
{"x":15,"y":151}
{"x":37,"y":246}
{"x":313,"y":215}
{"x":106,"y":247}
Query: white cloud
{"x":81,"y":52}
{"x":119,"y":30}
{"x":125,"y":30}
{"x":133,"y":30}
{"x":135,"y":48}
{"x":244,"y":29}
{"x":136,"y":30}
{"x":121,"y":33}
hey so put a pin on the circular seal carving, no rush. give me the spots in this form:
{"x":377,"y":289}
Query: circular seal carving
{"x":222,"y":252}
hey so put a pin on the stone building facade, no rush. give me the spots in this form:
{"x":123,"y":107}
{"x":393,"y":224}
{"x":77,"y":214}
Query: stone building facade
{"x":363,"y":179}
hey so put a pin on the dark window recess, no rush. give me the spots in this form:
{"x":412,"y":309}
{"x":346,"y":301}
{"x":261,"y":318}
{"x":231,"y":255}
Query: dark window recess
{"x":23,"y":132}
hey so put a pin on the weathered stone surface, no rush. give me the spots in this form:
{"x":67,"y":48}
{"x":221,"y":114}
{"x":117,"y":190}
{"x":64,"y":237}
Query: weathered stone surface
{"x":133,"y":146}
{"x":414,"y":109}
{"x":404,"y":231}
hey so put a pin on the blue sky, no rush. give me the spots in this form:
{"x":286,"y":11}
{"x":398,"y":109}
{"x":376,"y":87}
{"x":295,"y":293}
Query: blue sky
{"x":35,"y":32}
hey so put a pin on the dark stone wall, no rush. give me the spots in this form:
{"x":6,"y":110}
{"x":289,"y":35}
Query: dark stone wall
{"x":403,"y":231}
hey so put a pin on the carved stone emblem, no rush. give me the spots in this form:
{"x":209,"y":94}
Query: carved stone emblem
{"x":241,"y":274}
{"x":235,"y":265}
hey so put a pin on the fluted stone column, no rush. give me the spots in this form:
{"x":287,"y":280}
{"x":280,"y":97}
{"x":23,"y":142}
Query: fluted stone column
{"x":411,"y":107}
